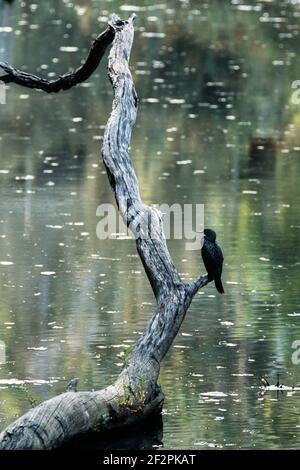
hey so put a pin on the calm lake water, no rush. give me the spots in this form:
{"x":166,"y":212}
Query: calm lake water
{"x":217,"y":125}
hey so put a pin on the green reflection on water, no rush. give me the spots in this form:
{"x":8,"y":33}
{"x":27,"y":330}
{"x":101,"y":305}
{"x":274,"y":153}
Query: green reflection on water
{"x":214,"y":82}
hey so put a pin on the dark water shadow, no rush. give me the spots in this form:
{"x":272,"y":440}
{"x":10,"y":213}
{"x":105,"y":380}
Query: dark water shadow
{"x":144,"y":436}
{"x":261,"y":156}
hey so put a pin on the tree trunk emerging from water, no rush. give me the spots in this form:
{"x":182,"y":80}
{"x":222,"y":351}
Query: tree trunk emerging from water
{"x":135,"y":394}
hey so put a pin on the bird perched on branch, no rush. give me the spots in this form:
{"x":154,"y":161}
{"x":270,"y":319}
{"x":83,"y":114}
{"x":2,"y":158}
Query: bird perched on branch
{"x":264,"y":382}
{"x":212,"y":258}
{"x":72,"y":385}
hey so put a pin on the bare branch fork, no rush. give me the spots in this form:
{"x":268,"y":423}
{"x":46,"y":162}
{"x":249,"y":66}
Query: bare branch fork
{"x":135,"y":394}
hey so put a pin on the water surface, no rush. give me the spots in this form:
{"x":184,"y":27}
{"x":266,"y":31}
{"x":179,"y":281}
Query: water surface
{"x":214,"y":81}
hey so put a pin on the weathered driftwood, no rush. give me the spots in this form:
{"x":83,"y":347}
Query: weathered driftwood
{"x":135,"y":394}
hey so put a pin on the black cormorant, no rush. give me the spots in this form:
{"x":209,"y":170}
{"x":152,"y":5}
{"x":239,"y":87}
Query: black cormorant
{"x":212,"y":258}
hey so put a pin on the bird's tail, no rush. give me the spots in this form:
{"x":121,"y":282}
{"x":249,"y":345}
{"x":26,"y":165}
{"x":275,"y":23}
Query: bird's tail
{"x":219,"y":285}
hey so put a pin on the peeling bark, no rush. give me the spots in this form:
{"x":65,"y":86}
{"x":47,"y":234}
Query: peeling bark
{"x":135,"y":394}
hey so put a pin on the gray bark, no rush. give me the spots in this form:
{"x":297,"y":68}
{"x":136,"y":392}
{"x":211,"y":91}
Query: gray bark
{"x":135,"y":394}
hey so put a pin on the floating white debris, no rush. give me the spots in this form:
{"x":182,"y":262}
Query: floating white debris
{"x":80,"y":10}
{"x":208,"y":444}
{"x":229,"y":345}
{"x":248,"y":191}
{"x":281,"y":387}
{"x":6,"y":263}
{"x":25,"y":177}
{"x":249,"y":7}
{"x":48,"y":273}
{"x":263,"y":259}
{"x":183,"y":162}
{"x":151,"y":100}
{"x":68,"y":49}
{"x":24,"y":382}
{"x":5,"y":29}
{"x":278,"y":62}
{"x":213,"y":394}
{"x":271,"y":19}
{"x":148,"y":34}
{"x":242,"y":375}
{"x":133,"y":8}
{"x":41,"y":348}
{"x":102,"y":19}
{"x":142,"y":72}
{"x":177,"y":101}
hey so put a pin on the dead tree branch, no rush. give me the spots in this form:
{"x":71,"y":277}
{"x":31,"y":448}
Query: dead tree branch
{"x":70,"y":79}
{"x":135,"y":394}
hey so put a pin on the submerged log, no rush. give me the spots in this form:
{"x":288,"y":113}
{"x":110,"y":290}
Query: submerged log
{"x":135,"y":394}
